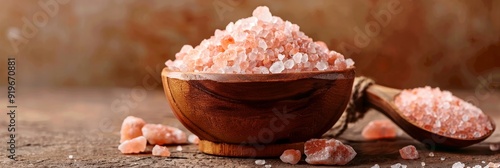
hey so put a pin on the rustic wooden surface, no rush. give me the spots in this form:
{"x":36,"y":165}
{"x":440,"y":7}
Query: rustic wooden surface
{"x":52,"y":124}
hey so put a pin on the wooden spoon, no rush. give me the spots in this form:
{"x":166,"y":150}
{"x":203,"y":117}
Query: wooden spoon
{"x":382,"y":99}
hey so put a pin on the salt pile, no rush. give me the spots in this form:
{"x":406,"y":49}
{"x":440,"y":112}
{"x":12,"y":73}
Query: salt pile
{"x":259,"y":44}
{"x":442,"y":113}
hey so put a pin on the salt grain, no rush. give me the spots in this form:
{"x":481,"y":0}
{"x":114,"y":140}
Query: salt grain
{"x":291,"y":156}
{"x":477,"y":166}
{"x":135,"y":145}
{"x":431,"y":154}
{"x":259,"y":40}
{"x":494,"y":147}
{"x":442,"y":158}
{"x":375,"y":166}
{"x":260,"y":162}
{"x":422,"y":163}
{"x":268,"y":166}
{"x":70,"y":156}
{"x":409,"y":152}
{"x":328,"y":152}
{"x":179,"y":148}
{"x":160,"y":151}
{"x":458,"y":165}
{"x":442,"y":113}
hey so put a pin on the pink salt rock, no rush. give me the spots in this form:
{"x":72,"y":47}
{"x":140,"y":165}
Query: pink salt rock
{"x":379,"y":129}
{"x":260,"y":44}
{"x":328,"y":152}
{"x":131,"y":128}
{"x":442,"y":113}
{"x":160,"y":151}
{"x":159,"y":134}
{"x":193,"y":139}
{"x":135,"y":145}
{"x":291,"y":156}
{"x":409,"y":152}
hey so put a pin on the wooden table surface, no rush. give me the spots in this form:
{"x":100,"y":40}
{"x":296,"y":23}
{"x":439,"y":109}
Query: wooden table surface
{"x":54,"y":123}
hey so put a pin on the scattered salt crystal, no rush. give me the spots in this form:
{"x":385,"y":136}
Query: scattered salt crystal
{"x":431,"y":154}
{"x":442,"y":113}
{"x":159,"y":134}
{"x":179,"y":148}
{"x":277,"y":67}
{"x":483,"y":162}
{"x":193,"y":139}
{"x":422,"y":163}
{"x":70,"y":156}
{"x":458,"y":165}
{"x":494,"y":147}
{"x":135,"y":145}
{"x":409,"y":152}
{"x":493,"y":165}
{"x":259,"y":40}
{"x":379,"y":129}
{"x":160,"y":151}
{"x":328,"y":152}
{"x":442,"y":158}
{"x":131,"y":128}
{"x":260,"y":162}
{"x":477,"y":166}
{"x":375,"y":166}
{"x":397,"y":165}
{"x":291,"y":156}
{"x":268,"y":166}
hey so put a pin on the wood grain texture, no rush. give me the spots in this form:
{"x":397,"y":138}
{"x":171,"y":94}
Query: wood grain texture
{"x":382,"y":99}
{"x":258,"y":109}
{"x":235,"y":150}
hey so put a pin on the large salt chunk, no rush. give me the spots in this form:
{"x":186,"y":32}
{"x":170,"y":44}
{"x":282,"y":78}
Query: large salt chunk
{"x":409,"y":152}
{"x":161,"y":134}
{"x":291,"y":156}
{"x":131,"y":128}
{"x":262,"y":13}
{"x":379,"y":129}
{"x":135,"y":145}
{"x":328,"y":152}
{"x":160,"y":151}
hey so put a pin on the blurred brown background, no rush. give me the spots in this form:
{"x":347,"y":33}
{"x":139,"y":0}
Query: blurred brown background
{"x":400,"y":43}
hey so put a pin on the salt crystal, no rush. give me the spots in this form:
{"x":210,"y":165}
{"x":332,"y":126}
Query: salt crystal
{"x":328,"y":152}
{"x":493,"y":165}
{"x":291,"y":156}
{"x":260,"y":162}
{"x":259,"y":40}
{"x":483,"y":162}
{"x":494,"y":147}
{"x":379,"y":129}
{"x":193,"y":139}
{"x":161,"y":134}
{"x":135,"y":145}
{"x":70,"y":156}
{"x":277,"y":67}
{"x":458,"y":165}
{"x":268,"y":166}
{"x":160,"y":151}
{"x":375,"y":166}
{"x":431,"y":154}
{"x":262,"y":13}
{"x":179,"y":148}
{"x":477,"y":166}
{"x":442,"y":158}
{"x":442,"y":113}
{"x":131,"y":128}
{"x":289,"y":64}
{"x":397,"y":165}
{"x":409,"y":152}
{"x":422,"y":163}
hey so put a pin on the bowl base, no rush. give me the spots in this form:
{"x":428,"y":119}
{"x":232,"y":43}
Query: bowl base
{"x":249,"y":150}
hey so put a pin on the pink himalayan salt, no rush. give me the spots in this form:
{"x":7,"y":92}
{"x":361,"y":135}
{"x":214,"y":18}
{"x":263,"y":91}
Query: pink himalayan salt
{"x":193,"y":139}
{"x":379,"y":129}
{"x":442,"y":113}
{"x":494,"y":147}
{"x":493,"y":165}
{"x":160,"y":151}
{"x":328,"y":152}
{"x":409,"y":152}
{"x":135,"y":145}
{"x":291,"y":156}
{"x":161,"y":134}
{"x":131,"y":128}
{"x":259,"y":44}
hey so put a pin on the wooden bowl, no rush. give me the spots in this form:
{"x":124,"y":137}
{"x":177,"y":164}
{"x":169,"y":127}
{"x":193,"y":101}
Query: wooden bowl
{"x":249,"y":109}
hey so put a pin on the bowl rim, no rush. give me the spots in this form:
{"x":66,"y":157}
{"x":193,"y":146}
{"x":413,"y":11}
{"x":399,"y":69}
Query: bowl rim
{"x":241,"y":78}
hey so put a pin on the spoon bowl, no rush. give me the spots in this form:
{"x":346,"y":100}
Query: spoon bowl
{"x":233,"y":112}
{"x":382,"y":99}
